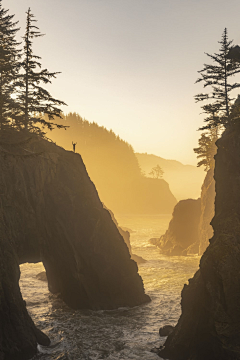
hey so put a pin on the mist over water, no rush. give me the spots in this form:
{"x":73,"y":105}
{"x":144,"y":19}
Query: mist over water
{"x":126,"y":333}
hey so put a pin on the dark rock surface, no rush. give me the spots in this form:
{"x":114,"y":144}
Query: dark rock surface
{"x":18,"y":334}
{"x":182,"y":232}
{"x":42,"y":276}
{"x":209,"y":327}
{"x":166,"y":330}
{"x":207,"y":211}
{"x":50,"y":212}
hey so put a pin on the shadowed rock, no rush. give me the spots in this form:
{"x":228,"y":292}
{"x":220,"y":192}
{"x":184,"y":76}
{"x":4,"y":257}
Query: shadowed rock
{"x":42,"y":276}
{"x":166,"y":330}
{"x":50,"y":212}
{"x":181,"y":238}
{"x":209,"y":327}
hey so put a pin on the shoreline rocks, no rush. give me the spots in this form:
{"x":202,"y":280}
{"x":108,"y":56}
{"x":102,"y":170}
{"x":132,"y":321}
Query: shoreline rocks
{"x":42,"y":276}
{"x":166,"y":330}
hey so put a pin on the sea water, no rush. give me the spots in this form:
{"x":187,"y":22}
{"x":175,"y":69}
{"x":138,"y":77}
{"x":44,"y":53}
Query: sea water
{"x":125,"y":333}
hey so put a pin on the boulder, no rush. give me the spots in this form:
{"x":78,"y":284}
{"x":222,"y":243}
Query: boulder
{"x":42,"y":276}
{"x":166,"y":330}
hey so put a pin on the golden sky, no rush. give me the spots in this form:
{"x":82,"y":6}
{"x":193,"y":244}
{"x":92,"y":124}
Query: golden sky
{"x":130,"y":65}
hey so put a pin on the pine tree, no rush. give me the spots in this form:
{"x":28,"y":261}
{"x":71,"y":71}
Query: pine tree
{"x":9,"y":68}
{"x":38,"y":107}
{"x":216,"y":76}
{"x":207,"y":149}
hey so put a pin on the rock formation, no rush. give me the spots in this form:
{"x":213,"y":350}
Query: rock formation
{"x":207,"y":211}
{"x":50,"y":212}
{"x":209,"y":327}
{"x":42,"y":276}
{"x":181,"y":238}
{"x":166,"y":330}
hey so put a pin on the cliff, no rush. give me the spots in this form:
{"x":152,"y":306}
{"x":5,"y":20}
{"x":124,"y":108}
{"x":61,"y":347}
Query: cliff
{"x":207,"y":211}
{"x":181,"y":237}
{"x":185,"y":181}
{"x":50,"y":212}
{"x":113,"y":167}
{"x":209,"y":327}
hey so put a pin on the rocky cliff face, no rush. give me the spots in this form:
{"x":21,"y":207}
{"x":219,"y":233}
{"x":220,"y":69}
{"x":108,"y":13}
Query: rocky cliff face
{"x":209,"y":327}
{"x":181,"y":238}
{"x":207,"y":211}
{"x":50,"y":212}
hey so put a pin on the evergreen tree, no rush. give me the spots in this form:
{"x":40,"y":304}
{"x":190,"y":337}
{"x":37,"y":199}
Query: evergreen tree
{"x":207,"y":149}
{"x":216,"y":76}
{"x":38,"y":107}
{"x":9,"y":68}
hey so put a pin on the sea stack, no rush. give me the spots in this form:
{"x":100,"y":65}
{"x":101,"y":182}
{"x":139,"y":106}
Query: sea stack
{"x":182,"y":235}
{"x":50,"y":212}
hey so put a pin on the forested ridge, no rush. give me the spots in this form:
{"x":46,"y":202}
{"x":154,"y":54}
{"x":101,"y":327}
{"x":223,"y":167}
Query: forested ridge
{"x":113,"y":167}
{"x":94,"y":140}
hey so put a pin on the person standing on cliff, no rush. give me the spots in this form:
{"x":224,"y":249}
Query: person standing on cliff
{"x":74,"y":146}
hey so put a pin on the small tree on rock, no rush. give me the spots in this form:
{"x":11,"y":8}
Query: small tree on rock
{"x":157,"y":172}
{"x":207,"y":149}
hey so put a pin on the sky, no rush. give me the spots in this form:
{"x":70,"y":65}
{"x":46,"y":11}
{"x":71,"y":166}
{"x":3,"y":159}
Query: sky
{"x":131,"y":65}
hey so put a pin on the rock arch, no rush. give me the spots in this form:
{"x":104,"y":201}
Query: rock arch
{"x":50,"y":212}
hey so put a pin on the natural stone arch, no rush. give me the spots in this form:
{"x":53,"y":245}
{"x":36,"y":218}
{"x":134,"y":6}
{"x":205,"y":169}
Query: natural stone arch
{"x":52,"y":213}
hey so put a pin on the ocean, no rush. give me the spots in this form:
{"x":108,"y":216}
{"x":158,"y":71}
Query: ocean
{"x":125,"y":333}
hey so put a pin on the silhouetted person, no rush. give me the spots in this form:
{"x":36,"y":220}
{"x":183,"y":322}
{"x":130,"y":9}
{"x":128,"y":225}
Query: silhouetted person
{"x":74,"y":146}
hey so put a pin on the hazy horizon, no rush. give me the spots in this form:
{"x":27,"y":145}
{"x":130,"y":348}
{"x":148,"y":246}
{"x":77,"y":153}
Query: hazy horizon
{"x":131,"y":65}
